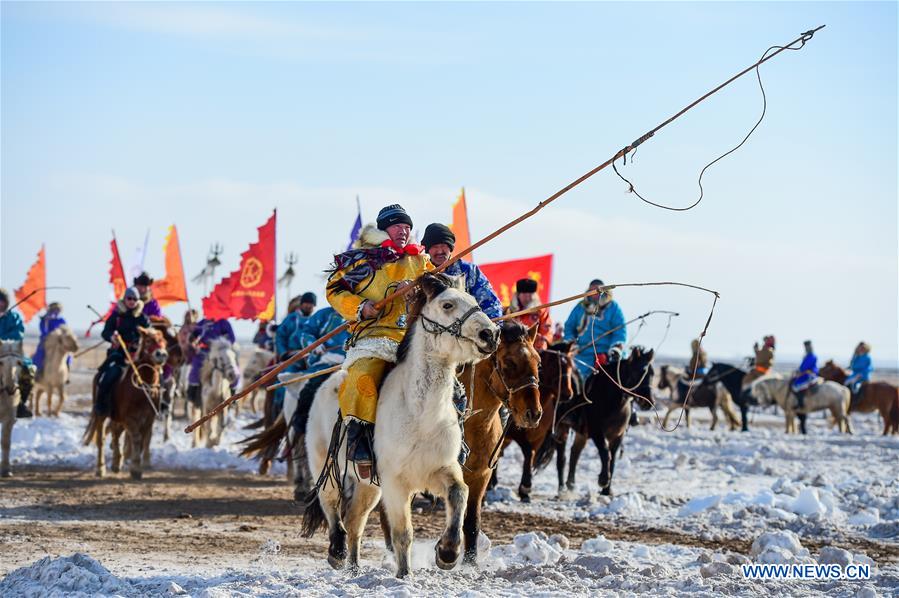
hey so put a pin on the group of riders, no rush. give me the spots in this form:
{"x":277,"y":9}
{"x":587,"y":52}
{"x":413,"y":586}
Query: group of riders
{"x":383,"y":260}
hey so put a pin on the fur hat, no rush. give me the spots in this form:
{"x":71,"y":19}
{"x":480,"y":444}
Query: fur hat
{"x":309,"y":297}
{"x":596,"y":282}
{"x":131,"y":292}
{"x":143,"y":280}
{"x":526,"y":285}
{"x":393,"y":214}
{"x":4,"y":296}
{"x":437,"y":233}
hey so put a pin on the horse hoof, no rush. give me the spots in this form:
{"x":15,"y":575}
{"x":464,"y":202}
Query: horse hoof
{"x":446,"y":557}
{"x":402,"y":573}
{"x":100,"y":473}
{"x":136,"y":475}
{"x":607,"y":491}
{"x":526,"y":498}
{"x":470,"y":558}
{"x":336,"y":563}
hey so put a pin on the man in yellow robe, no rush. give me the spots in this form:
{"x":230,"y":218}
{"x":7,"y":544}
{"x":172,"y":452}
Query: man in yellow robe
{"x":384,"y":262}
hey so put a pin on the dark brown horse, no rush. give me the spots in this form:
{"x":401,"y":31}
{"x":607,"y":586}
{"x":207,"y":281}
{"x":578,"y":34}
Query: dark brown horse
{"x":872,"y":396}
{"x":135,"y":403}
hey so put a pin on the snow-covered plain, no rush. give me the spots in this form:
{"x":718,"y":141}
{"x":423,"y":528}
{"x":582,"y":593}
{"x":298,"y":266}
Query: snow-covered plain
{"x":792,"y":495}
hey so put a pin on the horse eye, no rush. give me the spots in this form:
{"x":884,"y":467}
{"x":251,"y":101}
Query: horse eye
{"x":447,"y":305}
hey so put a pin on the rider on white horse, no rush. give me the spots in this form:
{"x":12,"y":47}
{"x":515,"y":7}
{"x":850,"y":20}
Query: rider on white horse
{"x":806,"y":376}
{"x":13,"y":329}
{"x":384,"y":262}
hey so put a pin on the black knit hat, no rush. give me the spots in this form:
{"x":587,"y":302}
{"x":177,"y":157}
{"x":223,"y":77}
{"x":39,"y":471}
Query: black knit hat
{"x":393,"y":214}
{"x":143,"y":280}
{"x":596,"y":282}
{"x":309,"y":297}
{"x":4,"y":296}
{"x":437,"y":233}
{"x":526,"y":285}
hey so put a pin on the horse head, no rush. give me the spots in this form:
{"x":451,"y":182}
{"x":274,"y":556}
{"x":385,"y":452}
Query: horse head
{"x":153,"y":346}
{"x":516,"y":364}
{"x":831,"y":371}
{"x":763,"y":390}
{"x":638,"y":372}
{"x":10,"y":356}
{"x":66,"y":339}
{"x":223,"y":357}
{"x":459,"y":331}
{"x":668,"y":377}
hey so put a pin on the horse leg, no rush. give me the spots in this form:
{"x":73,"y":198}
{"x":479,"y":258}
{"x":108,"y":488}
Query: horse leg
{"x":99,"y":438}
{"x":687,"y":416}
{"x":471,"y":525}
{"x":494,"y":479}
{"x":524,"y":488}
{"x":385,"y":528}
{"x":8,"y":422}
{"x":62,"y":399}
{"x":145,"y":453}
{"x":714,"y":409}
{"x":744,"y":417}
{"x":456,"y":493}
{"x":116,"y":465}
{"x":802,"y":418}
{"x":396,"y":501}
{"x":137,"y":448}
{"x":580,"y":441}
{"x":613,"y":453}
{"x":302,"y":478}
{"x":602,"y":445}
{"x":365,"y":498}
{"x":329,"y":499}
{"x":36,"y":401}
{"x":561,"y":445}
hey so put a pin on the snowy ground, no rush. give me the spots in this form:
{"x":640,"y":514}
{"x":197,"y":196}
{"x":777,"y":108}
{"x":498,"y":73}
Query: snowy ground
{"x":689,"y":508}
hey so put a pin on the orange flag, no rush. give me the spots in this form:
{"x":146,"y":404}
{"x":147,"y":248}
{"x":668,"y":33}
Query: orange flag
{"x":35,"y":282}
{"x":116,"y":271}
{"x":460,"y":226}
{"x":248,"y":293}
{"x":173,"y":287}
{"x":504,"y":275}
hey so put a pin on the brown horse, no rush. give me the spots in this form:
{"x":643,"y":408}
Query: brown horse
{"x":873,"y":396}
{"x":170,"y":371}
{"x":135,"y":403}
{"x":510,"y":377}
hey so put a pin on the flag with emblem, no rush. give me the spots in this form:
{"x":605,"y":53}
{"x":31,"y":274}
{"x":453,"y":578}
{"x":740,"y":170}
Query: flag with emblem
{"x":504,"y":275}
{"x":248,"y":293}
{"x":32,"y":296}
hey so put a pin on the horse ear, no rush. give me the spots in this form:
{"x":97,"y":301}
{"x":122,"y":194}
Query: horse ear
{"x":532,"y":332}
{"x":649,"y":355}
{"x":432,"y":285}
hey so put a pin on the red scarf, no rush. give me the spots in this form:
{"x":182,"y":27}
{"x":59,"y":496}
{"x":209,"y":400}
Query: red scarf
{"x":409,"y":249}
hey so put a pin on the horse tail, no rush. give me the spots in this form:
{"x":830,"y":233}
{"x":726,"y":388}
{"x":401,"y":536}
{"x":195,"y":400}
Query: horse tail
{"x":313,"y":515}
{"x":93,"y":428}
{"x":265,"y":444}
{"x":546,"y":451}
{"x":259,"y":423}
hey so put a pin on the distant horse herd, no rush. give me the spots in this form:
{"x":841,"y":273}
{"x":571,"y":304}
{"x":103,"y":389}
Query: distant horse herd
{"x":516,"y":394}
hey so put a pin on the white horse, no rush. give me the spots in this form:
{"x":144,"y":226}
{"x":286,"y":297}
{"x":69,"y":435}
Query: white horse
{"x":258,"y":362}
{"x":218,"y":373}
{"x":417,"y":437}
{"x":58,"y":345}
{"x":10,"y":366}
{"x":774,"y":388}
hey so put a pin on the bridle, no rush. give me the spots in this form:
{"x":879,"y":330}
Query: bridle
{"x":530,"y":381}
{"x":453,"y":329}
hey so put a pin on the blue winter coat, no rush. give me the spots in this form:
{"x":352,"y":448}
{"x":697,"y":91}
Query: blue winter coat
{"x":584,"y":328}
{"x":477,"y":285}
{"x":861,"y":367}
{"x":313,"y":328}
{"x":12,"y":328}
{"x":808,"y":371}
{"x":286,"y":331}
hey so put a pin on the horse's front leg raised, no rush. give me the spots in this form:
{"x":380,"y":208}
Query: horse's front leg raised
{"x":398,"y":506}
{"x":456,"y":494}
{"x":524,"y":488}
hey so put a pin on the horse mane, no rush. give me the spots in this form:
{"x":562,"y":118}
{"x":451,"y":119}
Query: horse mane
{"x":416,"y":302}
{"x":562,"y":347}
{"x":512,"y":331}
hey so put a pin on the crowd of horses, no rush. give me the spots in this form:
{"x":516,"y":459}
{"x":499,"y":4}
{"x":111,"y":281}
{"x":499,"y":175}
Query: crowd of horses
{"x":419,"y":434}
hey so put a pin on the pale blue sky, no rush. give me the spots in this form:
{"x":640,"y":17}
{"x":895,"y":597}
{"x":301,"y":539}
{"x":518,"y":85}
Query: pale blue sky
{"x":133,"y":116}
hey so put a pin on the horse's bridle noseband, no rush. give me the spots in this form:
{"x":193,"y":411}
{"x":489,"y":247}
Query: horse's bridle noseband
{"x":454,"y":329}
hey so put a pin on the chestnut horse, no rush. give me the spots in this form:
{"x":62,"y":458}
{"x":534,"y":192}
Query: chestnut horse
{"x":135,"y":403}
{"x":873,"y":396}
{"x":510,"y":378}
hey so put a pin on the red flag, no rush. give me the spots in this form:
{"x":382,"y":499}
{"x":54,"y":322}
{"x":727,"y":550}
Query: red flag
{"x":34,"y":284}
{"x":173,"y":287}
{"x":460,"y":226}
{"x":504,"y":275}
{"x":248,"y":293}
{"x":116,"y":271}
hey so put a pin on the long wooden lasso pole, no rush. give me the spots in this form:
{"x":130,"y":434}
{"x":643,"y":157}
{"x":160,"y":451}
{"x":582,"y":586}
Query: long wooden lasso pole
{"x":268,"y":377}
